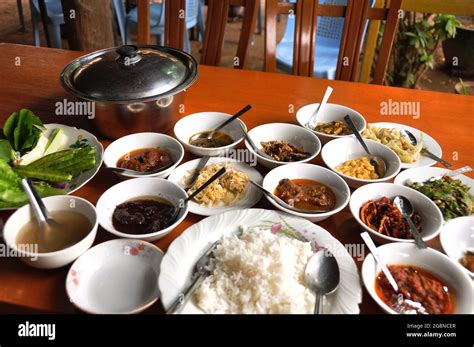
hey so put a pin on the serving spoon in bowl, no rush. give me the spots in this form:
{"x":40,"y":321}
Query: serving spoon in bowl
{"x":322,"y":277}
{"x":402,"y":303}
{"x":406,"y":208}
{"x":253,"y":145}
{"x":140,"y":173}
{"x":408,"y":134}
{"x":313,"y":120}
{"x":283,"y":203}
{"x":377,"y":162}
{"x":208,"y":135}
{"x":47,"y":225}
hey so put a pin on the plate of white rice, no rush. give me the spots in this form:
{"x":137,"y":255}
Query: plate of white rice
{"x":259,"y":266}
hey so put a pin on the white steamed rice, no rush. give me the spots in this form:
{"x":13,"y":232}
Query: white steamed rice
{"x":258,"y":272}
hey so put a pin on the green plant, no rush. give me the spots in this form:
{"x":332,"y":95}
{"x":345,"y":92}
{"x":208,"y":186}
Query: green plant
{"x":417,"y":38}
{"x":463,"y":87}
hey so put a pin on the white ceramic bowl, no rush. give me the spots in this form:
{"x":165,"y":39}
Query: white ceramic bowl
{"x":205,"y":121}
{"x":456,"y":236}
{"x":136,"y":188}
{"x":291,"y":133}
{"x":315,"y":173}
{"x":431,"y":222}
{"x":115,"y":277}
{"x":250,"y":197}
{"x":330,"y":113}
{"x":422,"y":174}
{"x":338,"y":151}
{"x":126,"y":144}
{"x":427,"y":259}
{"x":52,"y":260}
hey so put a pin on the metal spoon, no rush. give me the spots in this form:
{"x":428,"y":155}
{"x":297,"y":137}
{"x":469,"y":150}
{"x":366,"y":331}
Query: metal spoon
{"x":282,"y":202}
{"x":253,"y":145}
{"x":377,"y":162}
{"x":322,"y":277}
{"x":312,"y":121}
{"x":413,"y":306}
{"x":139,"y":173}
{"x":183,"y":203}
{"x":373,"y":249}
{"x":210,"y":134}
{"x":45,"y":222}
{"x":406,"y":208}
{"x":424,"y":151}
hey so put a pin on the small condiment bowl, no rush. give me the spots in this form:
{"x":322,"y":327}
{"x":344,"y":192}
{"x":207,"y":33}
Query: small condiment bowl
{"x":330,"y":113}
{"x":126,"y":144}
{"x":456,"y":236}
{"x":115,"y":277}
{"x":336,"y":152}
{"x":427,"y":259}
{"x":147,"y":187}
{"x":51,"y":260}
{"x":431,"y":217}
{"x":311,"y":172}
{"x":207,"y":121}
{"x":290,"y":133}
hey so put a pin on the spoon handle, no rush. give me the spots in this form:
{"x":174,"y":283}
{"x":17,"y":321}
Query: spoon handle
{"x":231,"y":119}
{"x":428,"y":154}
{"x":416,"y":234}
{"x":206,"y":184}
{"x":253,"y":145}
{"x":37,"y":205}
{"x":373,"y":249}
{"x":313,"y":121}
{"x":462,"y":170}
{"x":358,"y":136}
{"x":317,"y":303}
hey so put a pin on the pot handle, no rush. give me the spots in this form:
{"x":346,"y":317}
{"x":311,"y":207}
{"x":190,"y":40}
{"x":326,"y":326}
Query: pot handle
{"x":128,"y":55}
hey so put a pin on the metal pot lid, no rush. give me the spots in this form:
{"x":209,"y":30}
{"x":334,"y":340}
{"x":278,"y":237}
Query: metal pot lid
{"x":130,"y":73}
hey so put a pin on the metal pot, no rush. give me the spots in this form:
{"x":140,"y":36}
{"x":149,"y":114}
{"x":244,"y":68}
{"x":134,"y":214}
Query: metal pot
{"x":134,"y":88}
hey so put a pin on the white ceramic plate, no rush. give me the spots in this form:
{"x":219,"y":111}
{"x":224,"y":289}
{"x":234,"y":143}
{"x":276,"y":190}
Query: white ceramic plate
{"x":427,"y":259}
{"x":456,"y":236}
{"x":251,"y":196}
{"x":77,"y":134}
{"x":179,"y":261}
{"x":429,"y":143}
{"x":115,"y":277}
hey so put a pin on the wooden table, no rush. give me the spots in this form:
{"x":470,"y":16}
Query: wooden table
{"x":29,"y":77}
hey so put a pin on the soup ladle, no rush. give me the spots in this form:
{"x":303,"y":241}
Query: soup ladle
{"x":322,"y":277}
{"x":47,"y":224}
{"x":282,"y":202}
{"x":377,"y":162}
{"x":210,"y":134}
{"x":406,"y":208}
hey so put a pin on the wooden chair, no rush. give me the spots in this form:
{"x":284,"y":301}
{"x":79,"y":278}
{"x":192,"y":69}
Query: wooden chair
{"x":355,"y":15}
{"x":175,"y":23}
{"x":216,"y":21}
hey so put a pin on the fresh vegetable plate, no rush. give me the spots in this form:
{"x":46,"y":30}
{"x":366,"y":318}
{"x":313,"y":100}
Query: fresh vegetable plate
{"x":71,"y":137}
{"x":428,"y":142}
